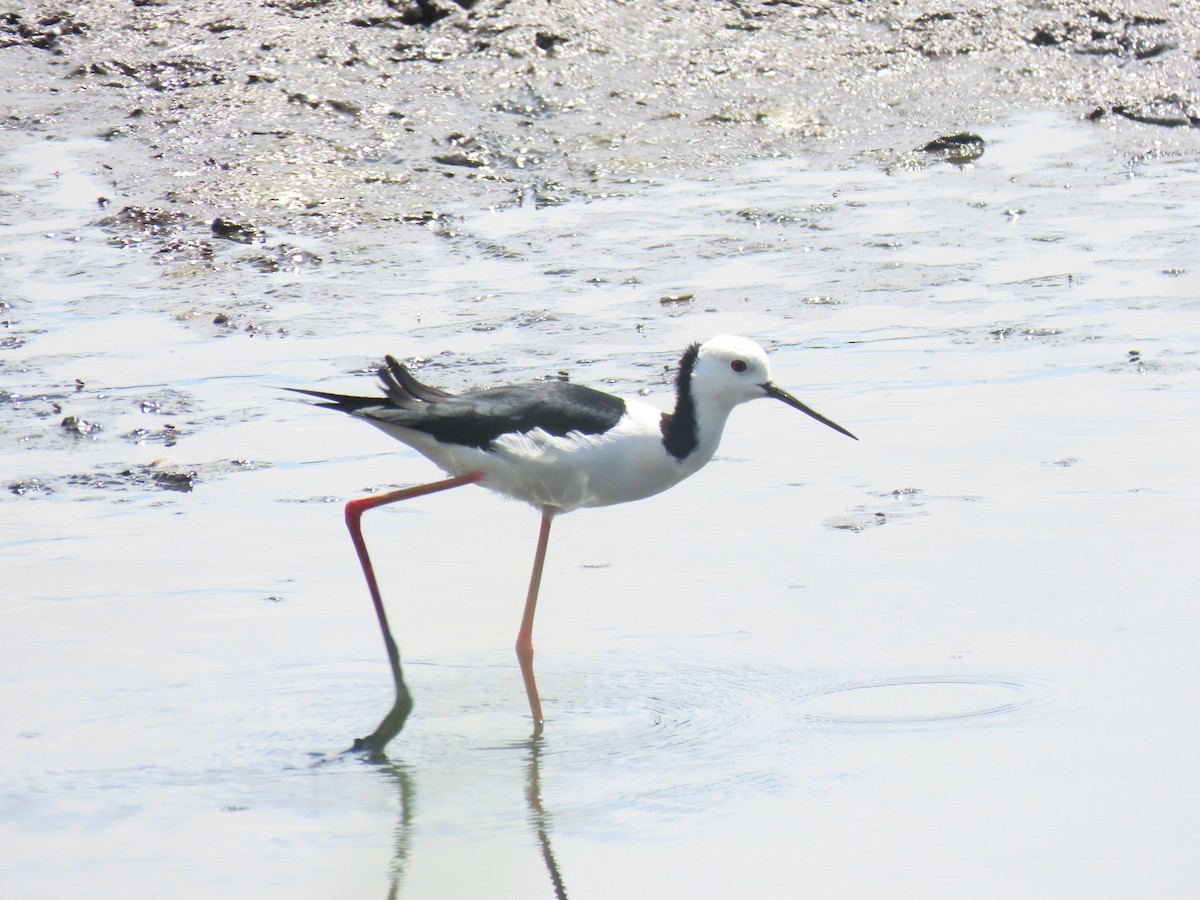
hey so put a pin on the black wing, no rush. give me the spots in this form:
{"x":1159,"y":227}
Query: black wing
{"x":477,"y":418}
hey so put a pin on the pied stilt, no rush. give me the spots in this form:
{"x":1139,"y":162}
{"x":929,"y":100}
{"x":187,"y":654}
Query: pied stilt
{"x":557,"y":446}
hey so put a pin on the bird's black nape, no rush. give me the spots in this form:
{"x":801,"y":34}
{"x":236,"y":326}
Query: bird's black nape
{"x":679,"y":427}
{"x":687,"y":363}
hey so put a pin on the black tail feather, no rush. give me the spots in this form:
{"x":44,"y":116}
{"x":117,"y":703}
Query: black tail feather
{"x":404,"y":379}
{"x":402,"y":389}
{"x":347,"y":403}
{"x":396,"y":391}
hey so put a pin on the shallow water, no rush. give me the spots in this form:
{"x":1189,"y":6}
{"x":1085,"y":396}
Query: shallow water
{"x":954,"y":659}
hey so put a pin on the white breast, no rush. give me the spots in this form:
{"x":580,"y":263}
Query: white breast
{"x":626,"y":463}
{"x":570,"y":472}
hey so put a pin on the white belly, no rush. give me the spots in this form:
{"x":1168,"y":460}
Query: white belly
{"x":565,"y":473}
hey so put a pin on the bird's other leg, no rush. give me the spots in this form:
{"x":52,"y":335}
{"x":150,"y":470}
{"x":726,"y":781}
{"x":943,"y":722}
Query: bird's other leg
{"x":525,"y":635}
{"x":394,"y":720}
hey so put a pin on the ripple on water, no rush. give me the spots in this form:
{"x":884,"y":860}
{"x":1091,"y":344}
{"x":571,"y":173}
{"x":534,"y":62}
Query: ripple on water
{"x":637,"y":740}
{"x":712,"y":709}
{"x":916,"y":701}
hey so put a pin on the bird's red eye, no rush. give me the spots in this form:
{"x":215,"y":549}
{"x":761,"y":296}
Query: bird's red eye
{"x":738,"y":365}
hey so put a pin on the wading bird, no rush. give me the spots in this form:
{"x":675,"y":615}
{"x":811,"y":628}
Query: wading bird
{"x":557,"y":446}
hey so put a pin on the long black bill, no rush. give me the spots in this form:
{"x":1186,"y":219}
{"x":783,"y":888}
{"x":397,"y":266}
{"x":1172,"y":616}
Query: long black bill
{"x":774,"y":390}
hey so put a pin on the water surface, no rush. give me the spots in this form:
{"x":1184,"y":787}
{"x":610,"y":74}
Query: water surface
{"x":960,"y":649}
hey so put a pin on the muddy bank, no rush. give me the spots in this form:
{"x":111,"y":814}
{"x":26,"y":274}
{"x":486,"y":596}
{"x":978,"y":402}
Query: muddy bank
{"x":312,"y":115}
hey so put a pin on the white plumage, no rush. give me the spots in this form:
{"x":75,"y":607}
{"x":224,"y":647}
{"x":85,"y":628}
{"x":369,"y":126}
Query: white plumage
{"x":559,"y":447}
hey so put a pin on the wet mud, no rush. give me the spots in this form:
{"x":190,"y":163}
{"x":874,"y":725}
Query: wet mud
{"x":323,"y":116}
{"x":215,"y":137}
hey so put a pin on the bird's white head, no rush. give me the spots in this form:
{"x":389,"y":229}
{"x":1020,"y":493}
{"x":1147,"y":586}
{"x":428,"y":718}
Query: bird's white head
{"x":728,"y":370}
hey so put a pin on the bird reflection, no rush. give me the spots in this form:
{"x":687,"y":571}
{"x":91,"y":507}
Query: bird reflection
{"x":539,"y":818}
{"x":399,"y":773}
{"x":408,"y":825}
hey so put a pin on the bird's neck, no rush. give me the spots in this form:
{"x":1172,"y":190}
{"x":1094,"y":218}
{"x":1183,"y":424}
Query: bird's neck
{"x":693,"y":430}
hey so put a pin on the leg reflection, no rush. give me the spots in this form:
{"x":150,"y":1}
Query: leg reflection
{"x":403,"y":777}
{"x":403,"y":780}
{"x":539,"y":818}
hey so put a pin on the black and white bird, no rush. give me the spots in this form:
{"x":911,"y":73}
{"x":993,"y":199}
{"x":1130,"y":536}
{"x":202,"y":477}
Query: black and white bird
{"x":557,"y":446}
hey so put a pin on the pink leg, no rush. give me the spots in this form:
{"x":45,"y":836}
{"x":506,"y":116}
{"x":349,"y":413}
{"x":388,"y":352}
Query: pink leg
{"x":525,"y":635}
{"x":394,"y":720}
